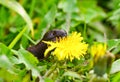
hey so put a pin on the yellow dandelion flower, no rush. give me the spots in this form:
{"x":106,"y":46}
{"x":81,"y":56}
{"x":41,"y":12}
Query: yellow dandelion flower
{"x":69,"y":47}
{"x":98,"y":50}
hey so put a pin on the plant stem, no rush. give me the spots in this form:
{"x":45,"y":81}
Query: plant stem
{"x":30,"y":39}
{"x":12,"y":44}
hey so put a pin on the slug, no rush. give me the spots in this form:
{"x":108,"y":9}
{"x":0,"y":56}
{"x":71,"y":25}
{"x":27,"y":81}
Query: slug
{"x":39,"y":49}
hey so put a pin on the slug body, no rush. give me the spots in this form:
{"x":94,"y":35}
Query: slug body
{"x":39,"y":49}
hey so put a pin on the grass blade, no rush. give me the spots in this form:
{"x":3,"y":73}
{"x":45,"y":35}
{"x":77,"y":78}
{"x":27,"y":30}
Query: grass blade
{"x":15,"y":6}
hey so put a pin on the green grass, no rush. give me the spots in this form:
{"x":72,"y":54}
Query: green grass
{"x":23,"y":23}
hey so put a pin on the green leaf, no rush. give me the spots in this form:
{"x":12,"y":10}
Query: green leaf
{"x":115,"y":19}
{"x":6,"y":76}
{"x":115,"y":66}
{"x":7,"y":59}
{"x":5,"y":62}
{"x":68,"y":6}
{"x":4,"y":15}
{"x":28,"y":56}
{"x":27,"y":77}
{"x":113,"y":43}
{"x":115,"y":77}
{"x":4,"y":50}
{"x":90,"y":11}
{"x":29,"y":60}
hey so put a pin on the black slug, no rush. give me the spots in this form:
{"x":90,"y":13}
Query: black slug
{"x":39,"y":49}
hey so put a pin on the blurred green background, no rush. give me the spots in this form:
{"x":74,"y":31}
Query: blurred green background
{"x":97,"y":20}
{"x":93,"y":18}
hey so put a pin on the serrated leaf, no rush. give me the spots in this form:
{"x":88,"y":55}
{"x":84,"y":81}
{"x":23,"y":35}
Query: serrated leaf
{"x":29,"y":57}
{"x":29,"y":60}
